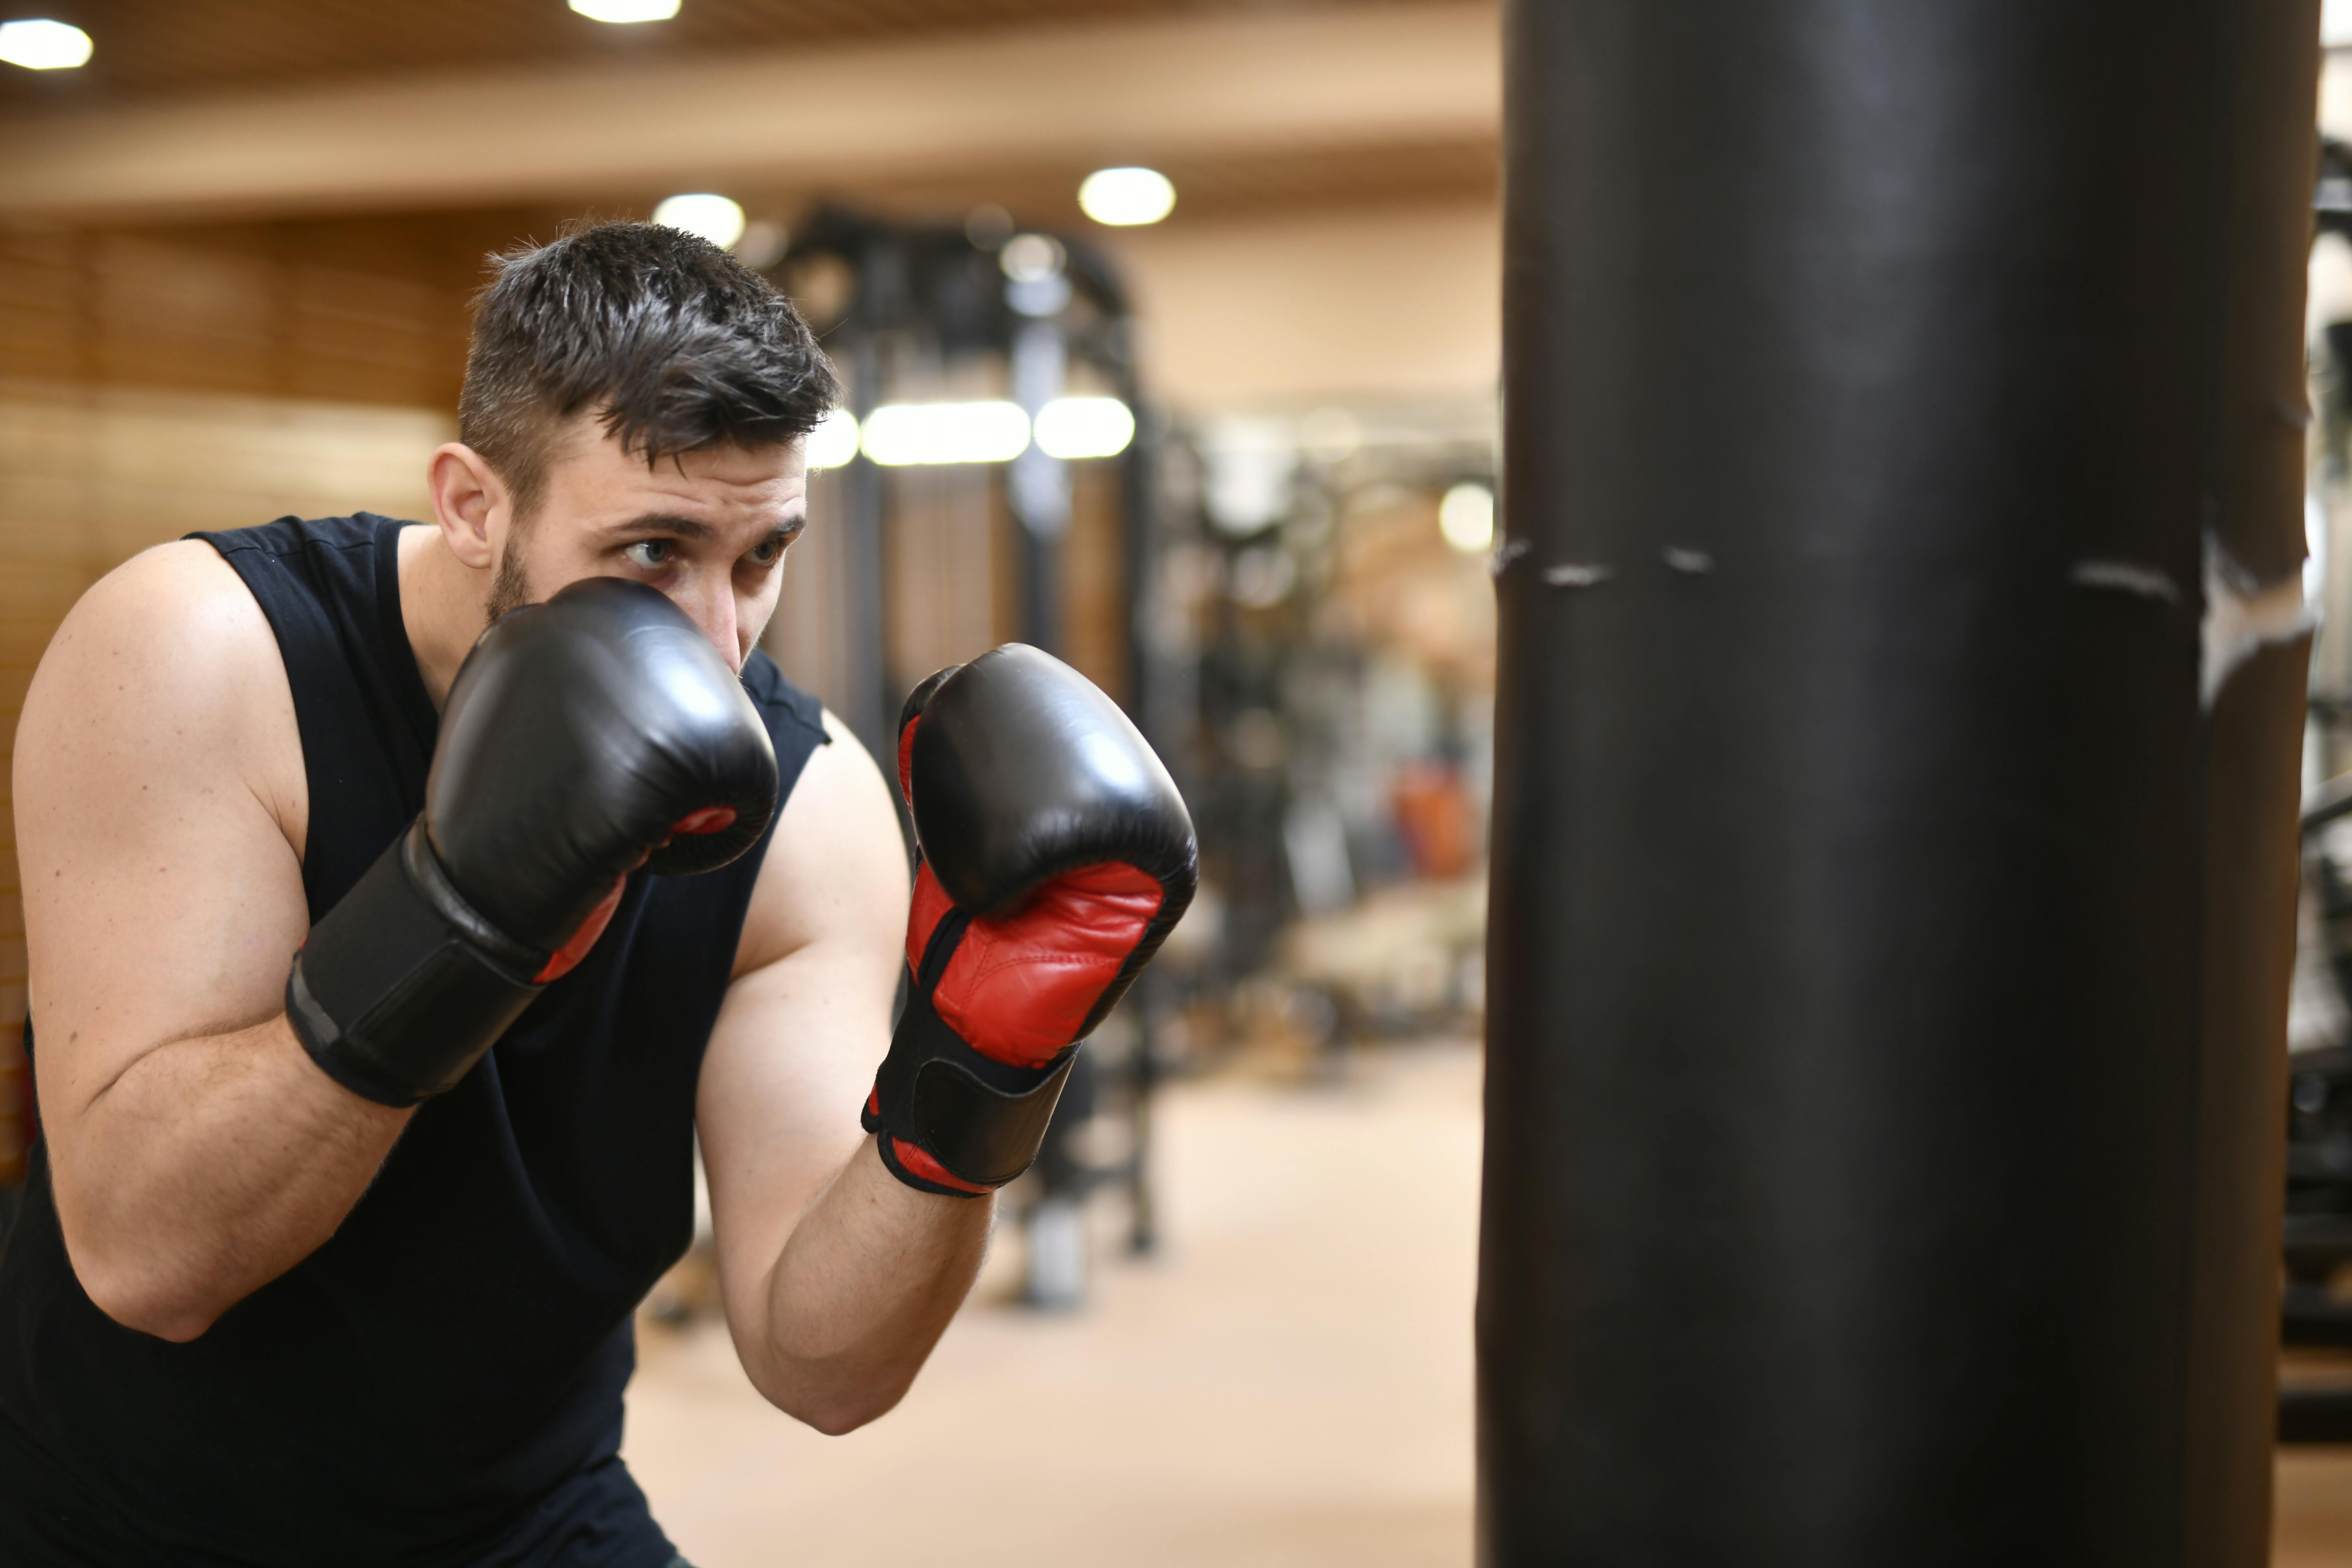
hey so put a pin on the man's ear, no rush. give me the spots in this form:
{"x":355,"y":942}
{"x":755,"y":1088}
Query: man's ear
{"x":470,"y":504}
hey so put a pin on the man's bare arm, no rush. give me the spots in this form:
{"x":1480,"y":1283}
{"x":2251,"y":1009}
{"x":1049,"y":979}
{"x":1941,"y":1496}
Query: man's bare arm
{"x":195,"y":1150}
{"x":837,"y":1278}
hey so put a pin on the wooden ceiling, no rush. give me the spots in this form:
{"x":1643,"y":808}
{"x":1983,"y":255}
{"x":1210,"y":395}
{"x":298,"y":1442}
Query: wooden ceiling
{"x":1269,"y":182}
{"x":153,"y":48}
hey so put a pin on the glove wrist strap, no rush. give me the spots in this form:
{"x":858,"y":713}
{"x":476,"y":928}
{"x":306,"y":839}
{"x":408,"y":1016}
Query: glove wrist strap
{"x":403,"y":984}
{"x":981,"y":1118}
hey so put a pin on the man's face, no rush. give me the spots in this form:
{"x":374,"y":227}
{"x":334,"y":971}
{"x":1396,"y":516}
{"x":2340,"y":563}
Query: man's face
{"x":708,"y":529}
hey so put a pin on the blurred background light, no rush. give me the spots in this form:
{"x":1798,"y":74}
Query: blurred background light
{"x":898,"y":433}
{"x":833,"y":441}
{"x":2334,"y":24}
{"x":716,"y":218}
{"x":763,"y":244}
{"x":988,"y":225}
{"x":40,"y":44}
{"x":1032,"y":258}
{"x":1467,"y":517}
{"x":1124,"y":197}
{"x":626,"y":10}
{"x":1085,"y":427}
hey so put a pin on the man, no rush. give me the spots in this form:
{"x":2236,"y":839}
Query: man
{"x":334,"y":1263}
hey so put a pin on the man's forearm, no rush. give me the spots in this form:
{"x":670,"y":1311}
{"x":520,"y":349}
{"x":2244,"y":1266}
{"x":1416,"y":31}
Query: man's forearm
{"x":210,"y":1167}
{"x":867,"y":1283}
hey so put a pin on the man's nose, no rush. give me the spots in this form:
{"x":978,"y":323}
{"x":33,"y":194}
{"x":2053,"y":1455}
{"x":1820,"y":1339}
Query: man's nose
{"x":711,"y":605}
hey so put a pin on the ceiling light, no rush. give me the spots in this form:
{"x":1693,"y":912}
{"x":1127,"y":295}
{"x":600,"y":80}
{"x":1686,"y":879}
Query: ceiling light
{"x":1467,"y":517}
{"x":44,"y":46}
{"x":1085,"y":427}
{"x":903,"y":433}
{"x":626,"y":10}
{"x":833,"y":441}
{"x":716,"y":218}
{"x":1124,"y":197}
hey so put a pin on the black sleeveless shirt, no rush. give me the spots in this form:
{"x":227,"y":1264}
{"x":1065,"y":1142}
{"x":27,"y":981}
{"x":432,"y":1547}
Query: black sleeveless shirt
{"x":440,"y":1383}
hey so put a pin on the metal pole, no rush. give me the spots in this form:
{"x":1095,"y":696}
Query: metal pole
{"x":872,"y":711}
{"x":1894,"y":865}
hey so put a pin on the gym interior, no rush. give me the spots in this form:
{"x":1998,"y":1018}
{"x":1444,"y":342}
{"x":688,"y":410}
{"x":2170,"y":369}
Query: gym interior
{"x":1367,"y":394}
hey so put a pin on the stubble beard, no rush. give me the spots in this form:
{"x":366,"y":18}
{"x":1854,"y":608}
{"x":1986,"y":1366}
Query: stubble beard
{"x":510,"y":585}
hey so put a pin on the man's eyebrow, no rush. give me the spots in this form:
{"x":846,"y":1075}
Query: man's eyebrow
{"x":695,"y":527}
{"x":665,"y":523}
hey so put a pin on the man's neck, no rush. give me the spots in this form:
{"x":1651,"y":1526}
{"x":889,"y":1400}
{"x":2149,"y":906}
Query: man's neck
{"x":441,"y":607}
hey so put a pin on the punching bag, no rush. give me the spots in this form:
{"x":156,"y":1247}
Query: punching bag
{"x":1902,"y":667}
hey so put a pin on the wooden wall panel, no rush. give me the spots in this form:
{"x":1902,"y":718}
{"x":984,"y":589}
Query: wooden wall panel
{"x":809,"y":635}
{"x":943,"y":568}
{"x":1093,"y":580}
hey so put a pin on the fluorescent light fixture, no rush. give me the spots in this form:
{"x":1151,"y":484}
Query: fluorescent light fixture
{"x":1085,"y":427}
{"x":39,"y":45}
{"x":2334,"y":24}
{"x":897,"y":434}
{"x":626,"y":10}
{"x":1124,"y":197}
{"x":1467,"y":517}
{"x":716,"y":218}
{"x":833,"y":441}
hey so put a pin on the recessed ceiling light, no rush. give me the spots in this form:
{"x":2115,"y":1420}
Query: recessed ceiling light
{"x":716,"y":218}
{"x":1124,"y":197}
{"x":626,"y":10}
{"x":44,"y":46}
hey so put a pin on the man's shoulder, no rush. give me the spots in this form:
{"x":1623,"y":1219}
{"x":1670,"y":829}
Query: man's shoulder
{"x":290,"y":536}
{"x":173,"y":634}
{"x":785,"y":707}
{"x":181,"y":600}
{"x":836,"y":864}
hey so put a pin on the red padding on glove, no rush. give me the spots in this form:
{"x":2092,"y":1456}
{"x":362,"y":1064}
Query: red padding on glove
{"x":1019,"y":987}
{"x":921,"y":1165}
{"x":907,"y":758}
{"x":573,"y":952}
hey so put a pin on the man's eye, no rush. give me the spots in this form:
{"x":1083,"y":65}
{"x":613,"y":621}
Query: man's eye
{"x":767,"y":552}
{"x":650,"y":553}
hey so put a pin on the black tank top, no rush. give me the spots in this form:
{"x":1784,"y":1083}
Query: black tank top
{"x":440,"y":1384}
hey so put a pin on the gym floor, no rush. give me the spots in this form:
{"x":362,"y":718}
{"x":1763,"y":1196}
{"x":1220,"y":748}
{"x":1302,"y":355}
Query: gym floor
{"x":1287,"y":1385}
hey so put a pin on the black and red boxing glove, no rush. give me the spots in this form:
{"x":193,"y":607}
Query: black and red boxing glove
{"x":1056,"y":855}
{"x":583,"y":738}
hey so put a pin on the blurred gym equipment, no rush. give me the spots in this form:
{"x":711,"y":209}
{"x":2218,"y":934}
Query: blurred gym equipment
{"x":924,"y":314}
{"x":1903,"y":656}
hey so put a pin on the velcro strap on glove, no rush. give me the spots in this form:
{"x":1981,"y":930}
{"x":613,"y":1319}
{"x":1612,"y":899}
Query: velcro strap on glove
{"x":981,"y":1118}
{"x":403,"y":984}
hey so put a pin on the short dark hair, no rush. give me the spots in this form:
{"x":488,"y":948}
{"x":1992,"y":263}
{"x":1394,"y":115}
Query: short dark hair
{"x":677,"y":344}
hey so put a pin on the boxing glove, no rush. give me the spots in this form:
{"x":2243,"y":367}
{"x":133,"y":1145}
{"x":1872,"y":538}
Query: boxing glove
{"x":1054,"y":855}
{"x":584,"y":737}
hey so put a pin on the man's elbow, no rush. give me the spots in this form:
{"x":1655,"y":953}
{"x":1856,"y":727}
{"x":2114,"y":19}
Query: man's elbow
{"x":838,"y":1412}
{"x":141,"y":1299}
{"x":840,"y":1420}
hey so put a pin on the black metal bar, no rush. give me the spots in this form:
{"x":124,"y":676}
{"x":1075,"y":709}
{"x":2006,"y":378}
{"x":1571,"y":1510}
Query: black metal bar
{"x":1889,"y":944}
{"x":2310,"y":1317}
{"x":2314,"y":1416}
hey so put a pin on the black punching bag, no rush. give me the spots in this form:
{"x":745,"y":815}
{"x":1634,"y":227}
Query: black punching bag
{"x":1901,"y":689}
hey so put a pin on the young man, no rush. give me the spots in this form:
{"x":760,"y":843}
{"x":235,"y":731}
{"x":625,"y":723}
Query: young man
{"x":335,"y":1264}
